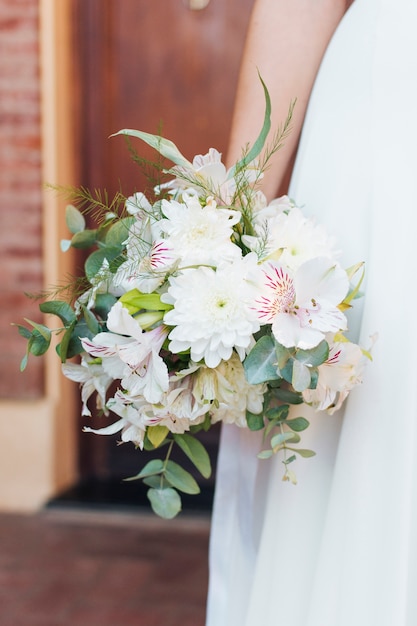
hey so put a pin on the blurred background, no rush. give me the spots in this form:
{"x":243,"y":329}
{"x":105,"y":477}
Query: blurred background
{"x":72,"y":72}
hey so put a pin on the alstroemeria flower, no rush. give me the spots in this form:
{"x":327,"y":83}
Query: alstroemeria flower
{"x":199,"y":235}
{"x":92,"y":378}
{"x":131,"y":423}
{"x":337,"y":376}
{"x":288,"y":236}
{"x":144,"y":370}
{"x":209,"y":176}
{"x":303,"y":306}
{"x":212,"y":312}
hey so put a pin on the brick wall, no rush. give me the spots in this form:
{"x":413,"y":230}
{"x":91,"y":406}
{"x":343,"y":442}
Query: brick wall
{"x":20,"y":192}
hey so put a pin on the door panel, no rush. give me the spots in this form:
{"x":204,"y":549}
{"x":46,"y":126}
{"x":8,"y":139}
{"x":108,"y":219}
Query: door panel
{"x":157,"y":66}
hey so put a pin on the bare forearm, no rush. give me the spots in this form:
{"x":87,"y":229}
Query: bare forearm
{"x":286,"y":42}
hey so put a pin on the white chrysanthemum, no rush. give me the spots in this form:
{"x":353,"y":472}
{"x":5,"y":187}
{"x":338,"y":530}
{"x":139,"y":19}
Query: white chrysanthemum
{"x":290,"y":237}
{"x":228,"y":392}
{"x":212,"y":311}
{"x":199,"y":235}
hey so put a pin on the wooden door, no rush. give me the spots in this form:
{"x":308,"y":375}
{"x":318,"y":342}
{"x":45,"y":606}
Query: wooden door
{"x":153,"y":65}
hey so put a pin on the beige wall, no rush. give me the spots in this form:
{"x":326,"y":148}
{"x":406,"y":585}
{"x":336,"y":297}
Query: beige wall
{"x":38,"y":437}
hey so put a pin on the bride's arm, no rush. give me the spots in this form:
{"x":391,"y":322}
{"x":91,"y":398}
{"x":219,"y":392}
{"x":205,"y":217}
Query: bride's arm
{"x":286,"y":42}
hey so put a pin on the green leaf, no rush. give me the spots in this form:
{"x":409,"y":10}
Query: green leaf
{"x":25,"y":332}
{"x":74,"y":219}
{"x":265,"y":454}
{"x":255,"y":421}
{"x":165,"y":147}
{"x":303,"y":452}
{"x":24,"y":362}
{"x":300,"y":376}
{"x":260,"y":141}
{"x":62,"y":347}
{"x":156,"y":481}
{"x":281,"y":438}
{"x":196,"y":452}
{"x":315,"y":356}
{"x":71,"y":345}
{"x":84,"y":239}
{"x":180,"y":478}
{"x":103,"y":304}
{"x":95,"y":261}
{"x":119,"y":231}
{"x":298,"y":424}
{"x":60,"y":308}
{"x":41,"y":328}
{"x":91,"y":321}
{"x":157,"y":434}
{"x":165,"y":502}
{"x":152,"y":468}
{"x":285,"y":395}
{"x":135,"y":301}
{"x":38,"y":344}
{"x":261,"y":363}
{"x":283,"y":354}
{"x":278,"y":412}
{"x":65,"y":245}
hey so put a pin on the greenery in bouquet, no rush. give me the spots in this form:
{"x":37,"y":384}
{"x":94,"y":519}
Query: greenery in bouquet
{"x":205,"y":303}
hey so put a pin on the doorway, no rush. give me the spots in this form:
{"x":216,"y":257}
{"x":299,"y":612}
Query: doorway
{"x":164,"y":67}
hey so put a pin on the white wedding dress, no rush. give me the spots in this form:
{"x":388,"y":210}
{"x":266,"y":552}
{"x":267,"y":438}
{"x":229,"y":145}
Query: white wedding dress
{"x":340,"y":548}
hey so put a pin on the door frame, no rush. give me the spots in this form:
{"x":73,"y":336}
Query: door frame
{"x":39,"y":443}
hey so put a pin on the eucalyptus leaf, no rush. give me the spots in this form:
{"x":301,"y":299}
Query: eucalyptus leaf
{"x":74,"y":219}
{"x":195,"y":451}
{"x":156,"y":481}
{"x":84,"y":239}
{"x":298,"y":424}
{"x":65,"y":245}
{"x":165,"y":147}
{"x":285,"y":395}
{"x":280,"y":438}
{"x":165,"y":502}
{"x":265,"y":454}
{"x":60,"y":308}
{"x":278,"y":413}
{"x":103,"y":304}
{"x":152,"y":468}
{"x":180,"y":478}
{"x":24,"y":362}
{"x":62,"y":347}
{"x":25,"y":332}
{"x":91,"y":321}
{"x":283,"y":354}
{"x":38,"y":344}
{"x":303,"y":452}
{"x":41,"y":328}
{"x":95,"y":261}
{"x":300,"y":376}
{"x":315,"y":356}
{"x":255,"y":421}
{"x":119,"y":231}
{"x":261,"y":363}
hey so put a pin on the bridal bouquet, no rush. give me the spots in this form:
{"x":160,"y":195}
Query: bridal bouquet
{"x":203,"y":304}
